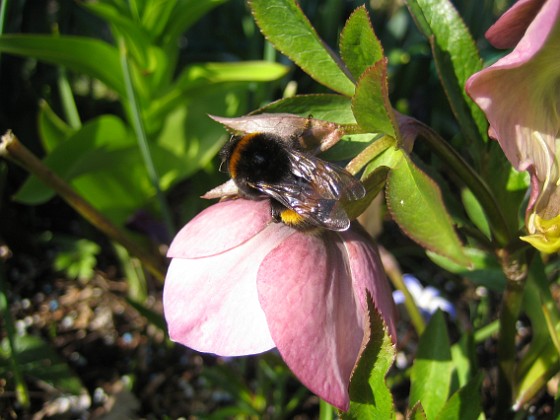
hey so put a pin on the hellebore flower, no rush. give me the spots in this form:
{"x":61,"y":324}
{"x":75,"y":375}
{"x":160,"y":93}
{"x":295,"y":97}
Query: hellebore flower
{"x":520,"y":95}
{"x":427,"y":298}
{"x":240,"y":284}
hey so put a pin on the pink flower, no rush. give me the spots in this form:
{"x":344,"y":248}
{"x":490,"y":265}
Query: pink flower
{"x":520,"y":95}
{"x":240,"y":284}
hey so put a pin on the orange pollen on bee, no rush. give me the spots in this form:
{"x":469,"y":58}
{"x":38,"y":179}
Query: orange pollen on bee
{"x":291,"y":217}
{"x":237,"y":152}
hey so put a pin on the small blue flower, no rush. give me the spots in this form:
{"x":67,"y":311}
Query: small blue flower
{"x":427,"y":299}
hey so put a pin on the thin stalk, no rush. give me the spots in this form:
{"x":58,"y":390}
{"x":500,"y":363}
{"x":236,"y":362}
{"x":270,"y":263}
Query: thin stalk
{"x":473,"y":181}
{"x":486,"y":332}
{"x":515,"y":269}
{"x":12,"y":149}
{"x":142,"y":138}
{"x":326,"y":411}
{"x":395,"y":275}
{"x":3,"y":14}
{"x":22,"y":393}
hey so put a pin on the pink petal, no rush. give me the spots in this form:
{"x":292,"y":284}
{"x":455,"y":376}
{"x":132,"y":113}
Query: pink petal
{"x":211,"y":304}
{"x":221,"y":227}
{"x":306,"y":293}
{"x":368,"y":273}
{"x":510,"y":28}
{"x":519,"y":93}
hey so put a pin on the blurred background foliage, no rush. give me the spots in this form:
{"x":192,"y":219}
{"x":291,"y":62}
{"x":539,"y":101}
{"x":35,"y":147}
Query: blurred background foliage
{"x":82,"y":328}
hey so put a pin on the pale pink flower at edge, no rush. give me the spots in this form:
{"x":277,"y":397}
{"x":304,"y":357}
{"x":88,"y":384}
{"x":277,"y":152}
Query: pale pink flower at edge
{"x":520,"y":95}
{"x":240,"y":284}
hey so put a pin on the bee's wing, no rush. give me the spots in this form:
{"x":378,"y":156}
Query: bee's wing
{"x":304,"y":199}
{"x":329,"y":181}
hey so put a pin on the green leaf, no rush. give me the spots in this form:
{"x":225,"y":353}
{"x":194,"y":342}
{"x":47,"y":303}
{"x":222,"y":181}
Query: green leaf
{"x":415,"y":203}
{"x":464,"y":404}
{"x":370,"y":397}
{"x":77,"y":258}
{"x":102,"y":162}
{"x":137,"y":40}
{"x":37,"y":359}
{"x":475,"y":212}
{"x":283,"y":23}
{"x":430,"y":377}
{"x":483,"y":269}
{"x":195,"y":80}
{"x":84,"y":55}
{"x":456,"y":58}
{"x":190,"y":138}
{"x":359,"y":47}
{"x":52,"y":129}
{"x":328,"y":107}
{"x":464,"y":358}
{"x":371,"y":104}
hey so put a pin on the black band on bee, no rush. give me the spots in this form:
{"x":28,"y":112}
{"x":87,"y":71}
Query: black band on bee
{"x":305,"y":191}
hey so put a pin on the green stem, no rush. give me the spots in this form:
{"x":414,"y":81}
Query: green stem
{"x":142,"y":138}
{"x":22,"y":393}
{"x":515,"y":269}
{"x":473,"y":181}
{"x":3,"y":13}
{"x":12,"y":149}
{"x":395,"y":275}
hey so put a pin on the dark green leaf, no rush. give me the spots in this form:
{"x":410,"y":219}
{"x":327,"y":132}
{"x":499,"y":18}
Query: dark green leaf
{"x":456,"y":58}
{"x":286,"y":27}
{"x":137,"y":40}
{"x":370,"y":396}
{"x":430,"y":377}
{"x":84,"y":55}
{"x":483,"y":269}
{"x":371,"y":104}
{"x":415,"y":203}
{"x":38,"y":360}
{"x":184,"y":14}
{"x":359,"y":47}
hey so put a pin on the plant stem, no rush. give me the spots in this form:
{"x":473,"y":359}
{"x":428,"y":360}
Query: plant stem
{"x":22,"y":393}
{"x":12,"y":149}
{"x":395,"y":275}
{"x":143,"y":144}
{"x":515,"y":268}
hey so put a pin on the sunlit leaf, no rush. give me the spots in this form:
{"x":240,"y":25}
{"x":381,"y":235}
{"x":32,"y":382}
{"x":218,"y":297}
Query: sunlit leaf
{"x":430,"y":377}
{"x":464,"y":404}
{"x":370,"y":397}
{"x":456,"y":58}
{"x":416,"y":204}
{"x":84,"y":55}
{"x":371,"y":104}
{"x":359,"y":47}
{"x":287,"y":28}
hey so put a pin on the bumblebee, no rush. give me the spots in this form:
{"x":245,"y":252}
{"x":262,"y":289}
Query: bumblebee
{"x":305,"y":191}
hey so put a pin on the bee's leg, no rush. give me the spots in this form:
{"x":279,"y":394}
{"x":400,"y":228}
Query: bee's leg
{"x":276,"y":210}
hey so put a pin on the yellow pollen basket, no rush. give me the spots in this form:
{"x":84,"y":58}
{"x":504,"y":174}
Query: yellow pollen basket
{"x":290,"y":217}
